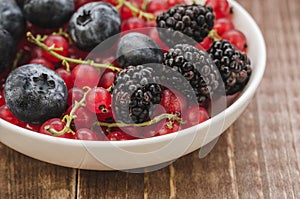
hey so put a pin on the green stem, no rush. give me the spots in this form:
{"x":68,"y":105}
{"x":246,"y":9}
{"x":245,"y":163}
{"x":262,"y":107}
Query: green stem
{"x":213,"y":34}
{"x":155,"y":120}
{"x":37,"y":40}
{"x":69,"y":118}
{"x":136,"y":10}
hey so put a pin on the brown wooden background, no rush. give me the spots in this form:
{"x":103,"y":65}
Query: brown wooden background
{"x":258,"y":157}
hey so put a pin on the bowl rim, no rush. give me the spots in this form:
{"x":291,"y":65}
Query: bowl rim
{"x":247,"y":92}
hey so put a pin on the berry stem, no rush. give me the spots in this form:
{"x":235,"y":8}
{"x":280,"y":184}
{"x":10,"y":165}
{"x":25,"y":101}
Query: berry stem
{"x":170,"y":117}
{"x":213,"y":34}
{"x":38,"y":40}
{"x":136,"y":10}
{"x":69,"y":118}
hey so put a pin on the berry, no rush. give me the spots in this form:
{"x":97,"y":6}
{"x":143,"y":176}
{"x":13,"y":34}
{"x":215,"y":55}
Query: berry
{"x":84,"y":118}
{"x":57,"y":125}
{"x":223,"y":25}
{"x":85,"y":134}
{"x":157,"y":5}
{"x":48,"y":13}
{"x":133,"y":24}
{"x":7,"y":115}
{"x":185,"y":24}
{"x":234,"y":66}
{"x":221,"y":8}
{"x":12,"y":19}
{"x":136,"y":49}
{"x":42,"y":61}
{"x":56,"y":41}
{"x":107,"y":79}
{"x":236,"y":38}
{"x":196,"y":67}
{"x":85,"y":75}
{"x":66,"y":76}
{"x":196,"y":115}
{"x":135,"y":91}
{"x":98,"y":100}
{"x":7,"y":50}
{"x":34,"y":93}
{"x":173,"y":102}
{"x":92,"y":24}
{"x":168,"y":128}
{"x":74,"y":94}
{"x":118,"y":136}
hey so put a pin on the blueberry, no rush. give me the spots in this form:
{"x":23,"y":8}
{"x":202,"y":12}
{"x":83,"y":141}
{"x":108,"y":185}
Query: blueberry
{"x":48,"y":13}
{"x":35,"y":93}
{"x":93,"y":23}
{"x":136,"y":49}
{"x":12,"y":19}
{"x":7,"y":50}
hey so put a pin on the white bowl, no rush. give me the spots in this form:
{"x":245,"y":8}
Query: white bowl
{"x":124,"y":155}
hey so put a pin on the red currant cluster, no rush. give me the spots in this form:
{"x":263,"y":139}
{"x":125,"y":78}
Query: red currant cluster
{"x":89,"y":115}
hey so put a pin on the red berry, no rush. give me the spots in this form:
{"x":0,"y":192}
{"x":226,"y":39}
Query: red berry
{"x":74,"y":94}
{"x":223,"y":25}
{"x":118,"y":136}
{"x":173,"y":102}
{"x":172,"y":3}
{"x":7,"y":115}
{"x":168,"y":128}
{"x":98,"y":100}
{"x":32,"y":127}
{"x":206,"y":43}
{"x":85,"y":134}
{"x":157,"y":5}
{"x":236,"y":38}
{"x":107,"y":79}
{"x":66,"y":76}
{"x":132,"y":24}
{"x":84,"y":118}
{"x":2,"y":99}
{"x":196,"y":115}
{"x":221,"y":8}
{"x":56,"y":41}
{"x":44,"y":62}
{"x":85,"y":75}
{"x":79,"y":3}
{"x":57,"y":125}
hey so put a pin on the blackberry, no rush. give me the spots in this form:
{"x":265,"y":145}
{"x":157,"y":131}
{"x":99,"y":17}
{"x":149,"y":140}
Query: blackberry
{"x":196,"y":67}
{"x":185,"y":24}
{"x":135,"y":92}
{"x":234,"y":66}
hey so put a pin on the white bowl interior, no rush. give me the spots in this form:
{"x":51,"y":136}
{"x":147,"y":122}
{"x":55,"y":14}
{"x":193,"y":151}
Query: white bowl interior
{"x":123,"y":155}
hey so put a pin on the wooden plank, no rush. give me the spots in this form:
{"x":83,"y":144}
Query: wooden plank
{"x":24,"y":177}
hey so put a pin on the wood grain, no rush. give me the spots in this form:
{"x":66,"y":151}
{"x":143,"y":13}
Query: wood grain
{"x":257,"y":157}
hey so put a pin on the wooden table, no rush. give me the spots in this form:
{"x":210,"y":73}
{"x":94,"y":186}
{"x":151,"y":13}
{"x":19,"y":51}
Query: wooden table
{"x":257,"y":157}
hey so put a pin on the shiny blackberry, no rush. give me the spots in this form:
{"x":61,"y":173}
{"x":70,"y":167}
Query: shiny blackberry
{"x":234,"y":66}
{"x":196,"y":67}
{"x":135,"y":92}
{"x":185,"y":24}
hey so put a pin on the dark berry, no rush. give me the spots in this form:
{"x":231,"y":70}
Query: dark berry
{"x":7,"y":50}
{"x":34,"y":93}
{"x":185,"y":24}
{"x":48,"y":13}
{"x":136,"y":49}
{"x":12,"y":19}
{"x":92,"y":24}
{"x":234,"y":66}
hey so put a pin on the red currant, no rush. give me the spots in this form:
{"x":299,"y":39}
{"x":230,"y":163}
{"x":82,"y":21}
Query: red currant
{"x":206,"y":43}
{"x":32,"y":127}
{"x":221,"y":8}
{"x":168,"y":128}
{"x":223,"y":25}
{"x":98,"y":100}
{"x":173,"y":102}
{"x":56,"y":41}
{"x":84,"y":118}
{"x":236,"y":38}
{"x":57,"y":125}
{"x":172,"y":3}
{"x":44,"y":62}
{"x":196,"y":115}
{"x":2,"y":98}
{"x":74,"y":94}
{"x":157,"y":5}
{"x":7,"y":115}
{"x":107,"y":79}
{"x":85,"y":75}
{"x":132,"y":24}
{"x":85,"y":134}
{"x":66,"y":76}
{"x":118,"y":136}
